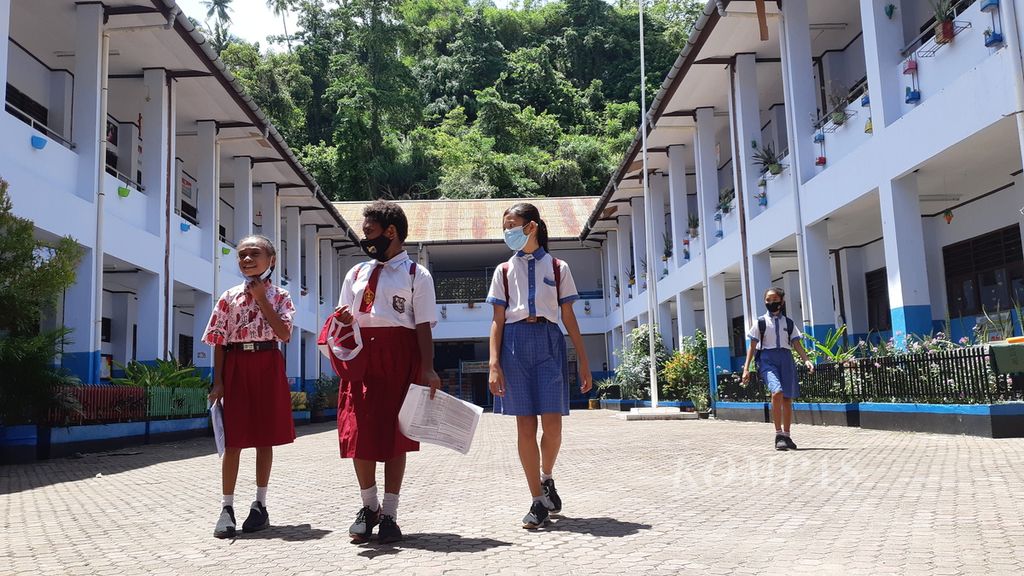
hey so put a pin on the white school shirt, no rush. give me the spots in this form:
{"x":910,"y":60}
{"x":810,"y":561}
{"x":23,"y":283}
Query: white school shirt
{"x":531,"y":287}
{"x":402,"y":299}
{"x":774,"y":333}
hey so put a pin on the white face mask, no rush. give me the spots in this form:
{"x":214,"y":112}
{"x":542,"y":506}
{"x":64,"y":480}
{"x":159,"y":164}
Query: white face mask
{"x":340,"y":340}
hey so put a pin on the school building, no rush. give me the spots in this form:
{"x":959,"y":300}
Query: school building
{"x":122,"y":129}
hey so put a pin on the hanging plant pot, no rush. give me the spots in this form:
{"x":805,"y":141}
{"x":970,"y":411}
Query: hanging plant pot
{"x":718,"y":216}
{"x":762,"y":183}
{"x":719,"y":234}
{"x":819,"y":137}
{"x":38,"y":142}
{"x":819,"y":161}
{"x":868,"y":128}
{"x":865,"y":100}
{"x":989,"y":5}
{"x":910,"y":66}
{"x":693,"y":232}
{"x":123,"y":191}
{"x":944,"y":32}
{"x":913,"y":96}
{"x":762,"y":201}
{"x":775,"y":169}
{"x":993,"y":39}
{"x":838,"y":117}
{"x":725,"y":209}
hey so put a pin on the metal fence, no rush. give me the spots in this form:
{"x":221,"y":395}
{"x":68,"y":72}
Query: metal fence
{"x":958,"y":376}
{"x":109,"y":404}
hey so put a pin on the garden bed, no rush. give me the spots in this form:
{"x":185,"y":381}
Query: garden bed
{"x":986,"y":420}
{"x":826,"y":413}
{"x":743,"y":411}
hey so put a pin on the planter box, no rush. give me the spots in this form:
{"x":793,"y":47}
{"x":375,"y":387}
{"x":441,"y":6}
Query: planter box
{"x":178,"y":429}
{"x":325,"y":415}
{"x":986,"y":420}
{"x":743,"y":411}
{"x":826,"y":414}
{"x":618,"y":405}
{"x":65,"y":441}
{"x":300,"y":417}
{"x":18,"y":444}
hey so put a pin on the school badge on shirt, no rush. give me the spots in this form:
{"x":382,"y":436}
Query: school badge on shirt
{"x":398,"y":303}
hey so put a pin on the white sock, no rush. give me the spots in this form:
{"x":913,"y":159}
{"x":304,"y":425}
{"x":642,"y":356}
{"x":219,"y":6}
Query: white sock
{"x":261,"y":495}
{"x":389,"y":507}
{"x":784,"y":433}
{"x":227,"y":500}
{"x":538,"y":499}
{"x":544,"y":477}
{"x":369,"y":497}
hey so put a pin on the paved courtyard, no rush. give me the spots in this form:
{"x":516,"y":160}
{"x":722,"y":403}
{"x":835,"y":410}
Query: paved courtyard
{"x":690,"y":497}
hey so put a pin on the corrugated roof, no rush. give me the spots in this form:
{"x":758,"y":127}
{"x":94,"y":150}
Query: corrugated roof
{"x":440,"y":221}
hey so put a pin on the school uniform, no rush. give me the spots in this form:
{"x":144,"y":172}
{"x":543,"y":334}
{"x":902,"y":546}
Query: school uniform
{"x":257,"y":400}
{"x":533,"y":354}
{"x":775,"y":365}
{"x":387,"y":299}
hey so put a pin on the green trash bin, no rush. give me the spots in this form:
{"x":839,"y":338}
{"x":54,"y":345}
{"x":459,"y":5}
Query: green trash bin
{"x":1006,"y":358}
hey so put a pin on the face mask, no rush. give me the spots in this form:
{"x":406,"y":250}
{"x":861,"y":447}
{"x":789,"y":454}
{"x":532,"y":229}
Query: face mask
{"x":376,"y":247}
{"x":773,"y":307}
{"x":516,"y":239}
{"x":262,"y":277}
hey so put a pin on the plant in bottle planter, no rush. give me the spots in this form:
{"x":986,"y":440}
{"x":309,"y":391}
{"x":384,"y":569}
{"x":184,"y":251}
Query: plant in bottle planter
{"x":693,"y":222}
{"x":992,"y":38}
{"x":944,"y":29}
{"x":767,"y":159}
{"x":666,"y":238}
{"x":838,"y":99}
{"x":819,"y":161}
{"x":725,"y":198}
{"x":762,"y":198}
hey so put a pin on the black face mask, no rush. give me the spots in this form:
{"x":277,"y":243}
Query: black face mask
{"x":773,"y":307}
{"x":376,"y":247}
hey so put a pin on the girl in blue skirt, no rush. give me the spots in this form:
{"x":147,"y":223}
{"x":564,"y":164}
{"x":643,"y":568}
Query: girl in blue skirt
{"x":773,"y":339}
{"x":528,"y":362}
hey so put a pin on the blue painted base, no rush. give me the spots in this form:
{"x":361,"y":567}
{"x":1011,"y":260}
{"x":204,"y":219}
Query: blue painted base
{"x":910,"y":320}
{"x":820,"y":332}
{"x":719,"y":361}
{"x":205,"y":371}
{"x":95,"y":438}
{"x":18,"y":444}
{"x":743,"y":411}
{"x":986,"y":420}
{"x":826,"y":413}
{"x":626,"y":405}
{"x":300,"y":416}
{"x":84,"y":365}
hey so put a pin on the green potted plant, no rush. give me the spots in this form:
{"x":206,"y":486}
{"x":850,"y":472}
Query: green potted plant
{"x":666,"y":238}
{"x":838,"y":99}
{"x":686,"y":373}
{"x":767,"y":159}
{"x":725,"y":198}
{"x":693,"y":221}
{"x":616,"y":289}
{"x":944,"y":28}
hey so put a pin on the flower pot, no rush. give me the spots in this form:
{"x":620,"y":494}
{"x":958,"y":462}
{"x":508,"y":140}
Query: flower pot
{"x":865,"y":100}
{"x":762,"y":201}
{"x":693,"y":232}
{"x":593,"y":404}
{"x":989,"y":5}
{"x":123,"y":191}
{"x":819,"y":161}
{"x":718,"y":216}
{"x":910,"y":67}
{"x":38,"y":142}
{"x":819,"y":137}
{"x":993,"y":39}
{"x":913,"y":96}
{"x":838,"y":118}
{"x":703,"y":415}
{"x":944,"y":32}
{"x":775,"y":169}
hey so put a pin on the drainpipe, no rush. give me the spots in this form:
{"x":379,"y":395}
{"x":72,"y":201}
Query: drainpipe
{"x":216,"y":221}
{"x":168,"y":210}
{"x":1013,"y":44}
{"x":100,"y":192}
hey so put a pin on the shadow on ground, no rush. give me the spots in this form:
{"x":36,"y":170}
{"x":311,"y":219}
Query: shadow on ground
{"x":605,"y":527}
{"x":292,"y":533}
{"x":432,"y":542}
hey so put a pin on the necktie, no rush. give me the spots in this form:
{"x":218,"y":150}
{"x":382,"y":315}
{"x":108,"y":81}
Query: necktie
{"x":371,"y":290}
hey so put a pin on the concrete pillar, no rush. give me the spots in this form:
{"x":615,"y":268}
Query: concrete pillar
{"x":677,"y":193}
{"x":747,"y":116}
{"x":327,"y":293}
{"x":5,"y":32}
{"x":202,"y":355}
{"x":207,"y":189}
{"x":883,"y":41}
{"x":293,"y":240}
{"x":271,"y":213}
{"x":615,"y":359}
{"x":61,"y":94}
{"x":152,"y":329}
{"x":855,"y":296}
{"x":777,"y":130}
{"x":311,"y":273}
{"x":311,"y":361}
{"x":82,"y":318}
{"x":707,"y":172}
{"x":665,"y":325}
{"x":820,"y":312}
{"x":717,"y":321}
{"x":613,"y":282}
{"x":87,"y":125}
{"x":798,"y":85}
{"x":122,"y":319}
{"x":791,"y":285}
{"x":659,"y":192}
{"x":157,"y":160}
{"x":625,"y":226}
{"x":639,"y":243}
{"x":242,"y":170}
{"x":760,"y":281}
{"x":686,"y":323}
{"x":905,"y":256}
{"x":128,"y":149}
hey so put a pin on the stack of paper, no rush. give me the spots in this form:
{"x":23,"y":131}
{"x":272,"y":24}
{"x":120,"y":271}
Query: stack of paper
{"x":443,"y":420}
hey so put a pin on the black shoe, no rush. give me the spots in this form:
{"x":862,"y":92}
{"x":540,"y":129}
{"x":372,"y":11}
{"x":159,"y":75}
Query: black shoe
{"x":225,"y":524}
{"x":780,"y":442}
{"x":389,"y":531}
{"x":258,"y":518}
{"x":789,"y":442}
{"x":537,"y":517}
{"x":552,"y":495}
{"x":361,"y":530}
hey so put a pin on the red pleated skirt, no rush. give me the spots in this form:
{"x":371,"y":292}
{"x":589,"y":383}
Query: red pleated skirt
{"x":368,"y":410}
{"x":257,"y":401}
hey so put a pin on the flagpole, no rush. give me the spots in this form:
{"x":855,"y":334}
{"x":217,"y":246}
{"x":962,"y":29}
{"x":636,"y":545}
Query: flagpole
{"x":652,"y":286}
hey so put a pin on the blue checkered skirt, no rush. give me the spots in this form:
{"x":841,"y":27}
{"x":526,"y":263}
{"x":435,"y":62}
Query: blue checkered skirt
{"x":536,"y":370}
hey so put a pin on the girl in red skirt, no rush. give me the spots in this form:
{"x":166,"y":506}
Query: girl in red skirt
{"x":392,"y":300}
{"x":249,"y":378}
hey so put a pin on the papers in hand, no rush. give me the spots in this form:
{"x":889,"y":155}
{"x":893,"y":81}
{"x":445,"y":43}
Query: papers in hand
{"x":444,"y":420}
{"x":217,"y":419}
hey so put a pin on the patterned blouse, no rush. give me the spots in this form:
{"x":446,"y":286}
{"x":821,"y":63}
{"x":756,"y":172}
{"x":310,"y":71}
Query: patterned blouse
{"x":237,"y":317}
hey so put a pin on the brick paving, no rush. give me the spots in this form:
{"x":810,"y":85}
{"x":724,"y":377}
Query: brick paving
{"x":684,"y":497}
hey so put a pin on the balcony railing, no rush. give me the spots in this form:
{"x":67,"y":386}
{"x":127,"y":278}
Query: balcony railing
{"x":39,"y":126}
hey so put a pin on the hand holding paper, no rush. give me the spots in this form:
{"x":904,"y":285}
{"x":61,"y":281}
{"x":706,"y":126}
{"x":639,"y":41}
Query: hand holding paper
{"x":443,"y":420}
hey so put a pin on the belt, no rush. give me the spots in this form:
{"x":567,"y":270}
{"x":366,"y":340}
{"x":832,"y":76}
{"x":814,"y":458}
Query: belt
{"x":536,"y":320}
{"x":252,"y":346}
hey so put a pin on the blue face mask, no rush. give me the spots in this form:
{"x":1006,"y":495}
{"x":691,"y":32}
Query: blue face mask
{"x":516,"y":239}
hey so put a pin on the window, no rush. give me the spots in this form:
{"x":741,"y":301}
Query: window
{"x":185,"y":349}
{"x":105,"y":330}
{"x":739,"y":337}
{"x":985,"y":273}
{"x":28,"y":110}
{"x":879,"y":316}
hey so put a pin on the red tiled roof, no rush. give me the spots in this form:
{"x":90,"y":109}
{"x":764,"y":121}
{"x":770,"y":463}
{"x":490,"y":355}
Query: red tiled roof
{"x":439,"y":221}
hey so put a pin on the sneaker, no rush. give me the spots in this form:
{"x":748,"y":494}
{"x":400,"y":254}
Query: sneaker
{"x":537,"y":517}
{"x":259,"y":518}
{"x":780,"y":442}
{"x":389,"y":531}
{"x":790,"y":443}
{"x":361,"y":530}
{"x":552,"y":496}
{"x":225,"y":524}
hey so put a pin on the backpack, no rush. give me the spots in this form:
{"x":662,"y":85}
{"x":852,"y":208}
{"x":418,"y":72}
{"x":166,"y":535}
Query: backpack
{"x":762,"y":325}
{"x":555,"y":264}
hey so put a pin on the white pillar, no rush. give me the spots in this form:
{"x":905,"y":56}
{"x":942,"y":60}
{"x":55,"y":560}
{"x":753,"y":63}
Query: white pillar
{"x":271,"y":214}
{"x":311,"y":362}
{"x":777,"y":131}
{"x":665,"y":325}
{"x":903,"y":236}
{"x":883,"y":42}
{"x":686,"y":323}
{"x":121,"y":320}
{"x":87,"y":124}
{"x":293,"y":239}
{"x":639,"y":241}
{"x":311,"y":274}
{"x":798,"y":83}
{"x":5,"y":31}
{"x":707,"y":171}
{"x":760,"y":281}
{"x":855,"y":297}
{"x":207,"y":190}
{"x":717,"y":324}
{"x":157,"y":160}
{"x":152,"y":328}
{"x":820,"y":311}
{"x":659,"y":191}
{"x":625,"y":227}
{"x":327,"y":294}
{"x":791,"y":285}
{"x":61,"y":94}
{"x":611,"y":268}
{"x":128,"y":149}
{"x":747,"y":116}
{"x":202,"y":355}
{"x":242,"y":168}
{"x":677,"y":193}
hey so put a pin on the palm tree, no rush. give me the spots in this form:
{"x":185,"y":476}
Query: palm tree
{"x":281,"y":8}
{"x":219,"y":7}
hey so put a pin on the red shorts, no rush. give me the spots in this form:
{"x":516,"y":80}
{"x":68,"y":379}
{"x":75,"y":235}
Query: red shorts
{"x":257,"y":401}
{"x":368,"y":410}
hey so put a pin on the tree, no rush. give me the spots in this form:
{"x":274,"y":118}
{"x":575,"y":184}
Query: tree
{"x":219,"y":8}
{"x":281,"y":8}
{"x":35,"y":274}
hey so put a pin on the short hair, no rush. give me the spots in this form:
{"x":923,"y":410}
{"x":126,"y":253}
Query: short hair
{"x":779,"y":291}
{"x":387,"y":214}
{"x":262,"y":240}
